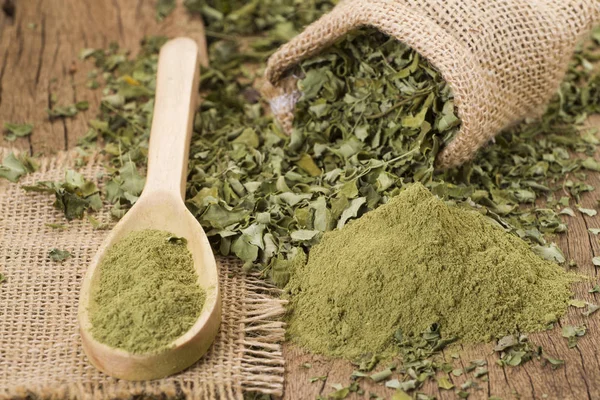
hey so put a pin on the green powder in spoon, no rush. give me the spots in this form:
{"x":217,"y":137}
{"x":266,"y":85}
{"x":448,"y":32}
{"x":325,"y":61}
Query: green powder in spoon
{"x":413,"y":262}
{"x":147,"y":294}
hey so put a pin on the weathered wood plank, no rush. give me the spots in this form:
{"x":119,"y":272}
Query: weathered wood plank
{"x":39,"y":46}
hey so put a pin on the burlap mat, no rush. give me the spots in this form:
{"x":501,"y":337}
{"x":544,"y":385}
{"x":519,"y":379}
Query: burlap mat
{"x":40,"y":347}
{"x":504,"y":59}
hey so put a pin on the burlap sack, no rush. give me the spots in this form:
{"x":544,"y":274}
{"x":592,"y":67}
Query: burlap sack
{"x":504,"y":59}
{"x":40,"y":347}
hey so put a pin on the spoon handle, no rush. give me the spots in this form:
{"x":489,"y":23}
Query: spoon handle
{"x":174,"y":107}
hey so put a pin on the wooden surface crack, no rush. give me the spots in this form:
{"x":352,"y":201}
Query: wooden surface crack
{"x":587,"y":386}
{"x":41,"y":52}
{"x":119,"y":20}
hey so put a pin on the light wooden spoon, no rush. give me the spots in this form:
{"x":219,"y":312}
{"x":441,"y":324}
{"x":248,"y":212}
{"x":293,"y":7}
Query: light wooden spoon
{"x":161,"y":206}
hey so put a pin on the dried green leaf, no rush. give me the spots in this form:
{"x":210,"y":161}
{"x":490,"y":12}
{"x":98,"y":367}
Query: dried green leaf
{"x":381,"y":375}
{"x":12,"y":168}
{"x":57,"y":255}
{"x":177,"y":240}
{"x":555,"y":362}
{"x":61,"y":227}
{"x":307,"y":164}
{"x":304,"y":235}
{"x":587,"y":211}
{"x":577,"y":303}
{"x":591,"y":164}
{"x":506,"y":342}
{"x":567,"y":211}
{"x":401,"y":395}
{"x":444,"y":383}
{"x":405,"y":386}
{"x":15,"y":131}
{"x":550,"y":253}
{"x":591,"y":308}
{"x":351,"y":211}
{"x":339,"y":394}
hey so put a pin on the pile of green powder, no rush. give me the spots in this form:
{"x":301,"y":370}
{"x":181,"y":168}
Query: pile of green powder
{"x":148,"y":293}
{"x":414,"y":262}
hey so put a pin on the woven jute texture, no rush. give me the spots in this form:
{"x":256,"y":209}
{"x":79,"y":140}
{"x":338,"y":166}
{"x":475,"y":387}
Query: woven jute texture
{"x":40,"y":347}
{"x":503,"y":59}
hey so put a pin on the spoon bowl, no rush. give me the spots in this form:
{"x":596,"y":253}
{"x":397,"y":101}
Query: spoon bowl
{"x":161,"y":206}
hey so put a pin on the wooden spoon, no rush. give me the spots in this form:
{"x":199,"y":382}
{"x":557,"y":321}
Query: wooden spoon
{"x":161,"y":206}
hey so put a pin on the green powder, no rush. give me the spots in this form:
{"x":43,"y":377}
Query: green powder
{"x":414,"y":262}
{"x":148,"y":293}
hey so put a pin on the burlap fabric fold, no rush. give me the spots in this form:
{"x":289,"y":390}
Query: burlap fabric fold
{"x":504,"y":59}
{"x":40,"y":347}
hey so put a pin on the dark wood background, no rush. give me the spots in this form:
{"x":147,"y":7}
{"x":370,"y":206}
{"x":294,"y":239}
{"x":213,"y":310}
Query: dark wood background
{"x":39,"y":44}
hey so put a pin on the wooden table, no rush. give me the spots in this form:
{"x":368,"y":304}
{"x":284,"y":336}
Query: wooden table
{"x":39,"y":44}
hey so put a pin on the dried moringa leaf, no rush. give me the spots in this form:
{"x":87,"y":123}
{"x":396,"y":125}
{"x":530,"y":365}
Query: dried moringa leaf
{"x":58,"y":255}
{"x":14,"y":131}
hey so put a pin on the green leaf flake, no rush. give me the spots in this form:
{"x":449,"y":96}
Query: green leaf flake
{"x":577,"y":303}
{"x":12,"y":168}
{"x":567,"y":211}
{"x":61,"y":227}
{"x":596,"y":261}
{"x":177,"y":240}
{"x":555,"y":362}
{"x":572,"y":333}
{"x":3,"y":278}
{"x":242,"y":248}
{"x":401,"y":395}
{"x":594,"y":231}
{"x":591,"y":308}
{"x":339,"y":394}
{"x":587,"y":211}
{"x":506,"y":342}
{"x":415,"y":121}
{"x":351,"y":211}
{"x":405,"y":386}
{"x":304,"y":235}
{"x":57,"y":255}
{"x":591,"y":164}
{"x":15,"y":131}
{"x":97,"y":224}
{"x":381,"y":375}
{"x":307,"y":164}
{"x":595,"y":289}
{"x":444,"y":383}
{"x":550,"y":253}
{"x":479,"y":372}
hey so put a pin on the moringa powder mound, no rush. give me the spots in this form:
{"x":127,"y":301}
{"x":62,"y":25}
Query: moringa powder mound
{"x":148,"y":293}
{"x":413,"y":262}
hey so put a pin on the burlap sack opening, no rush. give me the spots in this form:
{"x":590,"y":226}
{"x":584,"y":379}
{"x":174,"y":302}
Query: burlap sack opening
{"x":40,"y":347}
{"x":503,"y":59}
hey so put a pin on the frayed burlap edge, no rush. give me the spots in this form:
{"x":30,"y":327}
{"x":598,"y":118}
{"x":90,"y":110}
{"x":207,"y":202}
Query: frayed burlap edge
{"x":40,"y":348}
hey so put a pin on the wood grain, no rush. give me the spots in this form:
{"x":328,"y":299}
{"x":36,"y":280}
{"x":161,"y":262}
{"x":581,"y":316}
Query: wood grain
{"x":39,"y":44}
